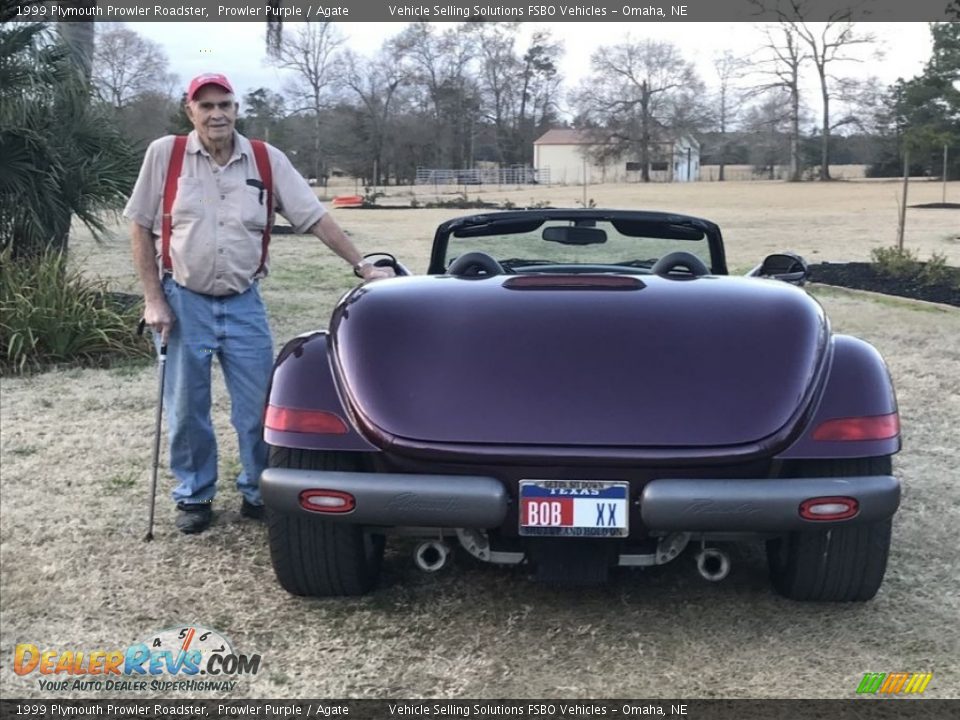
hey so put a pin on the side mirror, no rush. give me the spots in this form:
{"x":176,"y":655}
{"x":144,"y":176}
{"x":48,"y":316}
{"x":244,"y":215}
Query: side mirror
{"x":787,"y":267}
{"x":382,"y":259}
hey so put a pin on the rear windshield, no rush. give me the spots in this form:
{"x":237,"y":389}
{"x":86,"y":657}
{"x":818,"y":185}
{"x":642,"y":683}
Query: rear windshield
{"x":595,"y":242}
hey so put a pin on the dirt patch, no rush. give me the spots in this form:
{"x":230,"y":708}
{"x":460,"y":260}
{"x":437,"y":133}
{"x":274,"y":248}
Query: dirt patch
{"x":865,"y":276}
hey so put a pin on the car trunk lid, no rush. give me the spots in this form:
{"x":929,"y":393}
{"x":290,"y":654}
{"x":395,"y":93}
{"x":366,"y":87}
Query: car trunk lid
{"x":551,"y":360}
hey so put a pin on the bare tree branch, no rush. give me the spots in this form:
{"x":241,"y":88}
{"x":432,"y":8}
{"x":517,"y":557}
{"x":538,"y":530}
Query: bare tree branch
{"x":635,"y":92}
{"x":311,"y":53}
{"x":127,"y":65}
{"x":826,"y":44}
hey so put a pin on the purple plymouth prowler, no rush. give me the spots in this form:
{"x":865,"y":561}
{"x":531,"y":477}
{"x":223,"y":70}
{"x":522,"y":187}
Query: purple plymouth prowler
{"x":578,"y":390}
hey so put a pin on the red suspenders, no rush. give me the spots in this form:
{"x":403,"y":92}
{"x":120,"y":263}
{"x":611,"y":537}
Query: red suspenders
{"x":266,"y":177}
{"x":170,"y":193}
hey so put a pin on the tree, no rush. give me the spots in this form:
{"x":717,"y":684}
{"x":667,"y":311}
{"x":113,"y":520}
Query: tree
{"x":147,"y":118}
{"x":78,"y":37}
{"x":779,"y":66}
{"x":274,"y":30}
{"x":375,"y":82}
{"x":500,"y":71}
{"x":263,"y":111}
{"x":518,"y":93}
{"x":439,"y":67}
{"x":827,"y":46}
{"x":928,"y":106}
{"x":540,"y":87}
{"x":131,"y":77}
{"x":868,"y":107}
{"x":635,"y":91}
{"x":311,"y":53}
{"x":61,"y":156}
{"x":177,"y":122}
{"x":728,"y":103}
{"x":412,"y":144}
{"x":126,"y":66}
{"x":769,"y":123}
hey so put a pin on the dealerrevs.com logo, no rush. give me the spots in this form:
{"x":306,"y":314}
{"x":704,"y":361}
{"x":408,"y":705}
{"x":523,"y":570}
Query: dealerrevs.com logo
{"x":894,"y":683}
{"x":173,"y":659}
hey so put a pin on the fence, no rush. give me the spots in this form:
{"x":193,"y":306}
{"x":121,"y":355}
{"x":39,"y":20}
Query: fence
{"x":516,"y":175}
{"x":749,"y":172}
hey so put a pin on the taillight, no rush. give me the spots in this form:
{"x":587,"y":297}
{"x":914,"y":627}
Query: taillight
{"x":829,"y":508}
{"x":327,"y":501}
{"x":875,"y":427}
{"x":285,"y":419}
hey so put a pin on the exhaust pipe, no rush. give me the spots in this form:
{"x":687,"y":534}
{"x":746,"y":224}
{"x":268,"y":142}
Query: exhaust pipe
{"x":431,"y":555}
{"x":713,"y":564}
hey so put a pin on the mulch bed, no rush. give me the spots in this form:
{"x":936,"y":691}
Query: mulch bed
{"x":864,"y":276}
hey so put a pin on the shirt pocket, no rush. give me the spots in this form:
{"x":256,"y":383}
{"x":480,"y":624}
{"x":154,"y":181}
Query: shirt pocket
{"x":188,"y":205}
{"x":254,"y":207}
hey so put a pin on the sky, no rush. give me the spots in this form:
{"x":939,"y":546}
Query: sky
{"x":238,"y":49}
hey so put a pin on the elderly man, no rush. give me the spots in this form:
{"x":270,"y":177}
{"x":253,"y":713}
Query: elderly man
{"x":201,"y":215}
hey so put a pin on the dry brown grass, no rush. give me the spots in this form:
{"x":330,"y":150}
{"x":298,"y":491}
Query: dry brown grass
{"x":75,"y":472}
{"x":710,"y":173}
{"x":841,"y":221}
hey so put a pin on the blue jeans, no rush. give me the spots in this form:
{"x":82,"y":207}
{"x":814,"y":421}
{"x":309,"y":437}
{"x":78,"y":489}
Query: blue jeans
{"x":235,"y":329}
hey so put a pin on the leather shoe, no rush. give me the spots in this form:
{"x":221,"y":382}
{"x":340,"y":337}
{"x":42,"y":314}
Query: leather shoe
{"x":249,"y":510}
{"x":193,"y":518}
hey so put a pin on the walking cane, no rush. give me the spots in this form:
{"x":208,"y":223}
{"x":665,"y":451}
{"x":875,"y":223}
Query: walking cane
{"x":161,"y":371}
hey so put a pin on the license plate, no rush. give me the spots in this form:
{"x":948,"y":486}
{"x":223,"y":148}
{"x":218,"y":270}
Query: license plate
{"x":574,"y":508}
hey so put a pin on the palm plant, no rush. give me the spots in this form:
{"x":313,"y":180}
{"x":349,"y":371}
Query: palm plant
{"x":61,"y":154}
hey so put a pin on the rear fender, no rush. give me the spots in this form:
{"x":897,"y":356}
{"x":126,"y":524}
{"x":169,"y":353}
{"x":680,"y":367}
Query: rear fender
{"x":858,"y":385}
{"x":303,"y":379}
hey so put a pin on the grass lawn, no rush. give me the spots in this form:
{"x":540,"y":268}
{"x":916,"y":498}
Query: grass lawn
{"x":75,"y":454}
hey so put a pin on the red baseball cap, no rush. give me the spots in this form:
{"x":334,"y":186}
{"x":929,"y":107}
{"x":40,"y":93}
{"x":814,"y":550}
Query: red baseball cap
{"x":208,"y":79}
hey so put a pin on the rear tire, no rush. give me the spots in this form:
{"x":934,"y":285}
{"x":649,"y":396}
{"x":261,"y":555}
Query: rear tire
{"x":844,"y":564}
{"x":317,"y":557}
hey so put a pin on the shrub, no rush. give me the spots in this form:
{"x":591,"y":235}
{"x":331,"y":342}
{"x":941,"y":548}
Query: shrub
{"x":460,"y":202}
{"x":896,"y":262}
{"x":50,"y":315}
{"x":370,"y":196}
{"x":905,"y":265}
{"x":935,"y":271}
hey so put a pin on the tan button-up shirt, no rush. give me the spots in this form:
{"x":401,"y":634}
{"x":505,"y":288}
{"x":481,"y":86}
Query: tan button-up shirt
{"x":218,"y":219}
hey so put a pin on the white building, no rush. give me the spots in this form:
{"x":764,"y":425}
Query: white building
{"x":564,"y":156}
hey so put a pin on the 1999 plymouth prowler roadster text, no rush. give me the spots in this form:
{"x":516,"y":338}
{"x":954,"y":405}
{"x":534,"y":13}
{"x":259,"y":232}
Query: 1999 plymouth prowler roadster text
{"x":578,"y":390}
